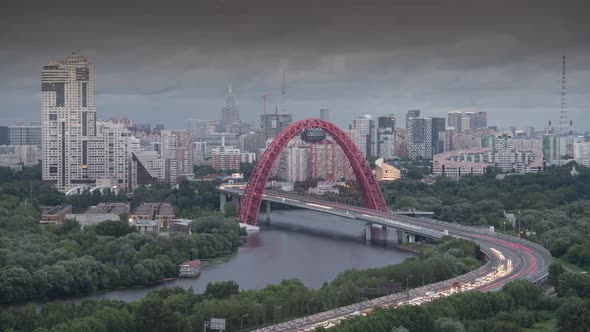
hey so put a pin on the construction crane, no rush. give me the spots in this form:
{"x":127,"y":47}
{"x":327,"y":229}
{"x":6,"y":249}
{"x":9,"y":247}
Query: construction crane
{"x":264,"y":97}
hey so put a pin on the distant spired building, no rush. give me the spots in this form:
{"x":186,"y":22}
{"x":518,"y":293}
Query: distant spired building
{"x":230,"y":113}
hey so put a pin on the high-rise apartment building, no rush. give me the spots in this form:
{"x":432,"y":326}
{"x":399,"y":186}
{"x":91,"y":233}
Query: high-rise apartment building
{"x":420,"y":138}
{"x":230,"y":113}
{"x":115,"y":154}
{"x":68,"y":121}
{"x":177,"y":149}
{"x":26,"y":135}
{"x":438,"y":136}
{"x":273,"y":124}
{"x":582,"y":151}
{"x":298,"y":160}
{"x":551,"y":147}
{"x":225,"y":158}
{"x":361,"y":132}
{"x":146,"y":168}
{"x":454,"y":120}
{"x":386,"y":136}
{"x":409,"y":116}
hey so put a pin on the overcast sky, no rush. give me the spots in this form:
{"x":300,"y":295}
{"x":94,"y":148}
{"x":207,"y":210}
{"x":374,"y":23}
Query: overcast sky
{"x":167,"y":61}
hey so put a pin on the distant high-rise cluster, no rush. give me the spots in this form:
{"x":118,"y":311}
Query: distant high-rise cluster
{"x":80,"y":152}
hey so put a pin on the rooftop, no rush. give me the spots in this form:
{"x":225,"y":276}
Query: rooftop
{"x":192,"y":263}
{"x":109,"y":208}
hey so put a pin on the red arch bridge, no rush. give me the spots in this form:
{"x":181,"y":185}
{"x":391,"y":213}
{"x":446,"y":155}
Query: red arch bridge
{"x":507,"y":257}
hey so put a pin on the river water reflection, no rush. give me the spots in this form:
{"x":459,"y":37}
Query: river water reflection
{"x":306,"y":245}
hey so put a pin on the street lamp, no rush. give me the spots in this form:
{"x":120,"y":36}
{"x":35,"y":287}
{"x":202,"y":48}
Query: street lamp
{"x":519,"y":223}
{"x":408,"y":287}
{"x":242,"y":321}
{"x":309,"y":301}
{"x":275,"y":313}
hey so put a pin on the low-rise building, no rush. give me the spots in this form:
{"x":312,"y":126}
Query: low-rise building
{"x":93,"y":219}
{"x":55,"y":214}
{"x":180,"y":225}
{"x":109,"y":208}
{"x":143,"y":225}
{"x":162,"y":212}
{"x":386,"y":172}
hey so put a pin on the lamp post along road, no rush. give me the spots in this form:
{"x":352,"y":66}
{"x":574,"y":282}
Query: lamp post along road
{"x":408,"y":287}
{"x":310,"y":300}
{"x":242,"y":321}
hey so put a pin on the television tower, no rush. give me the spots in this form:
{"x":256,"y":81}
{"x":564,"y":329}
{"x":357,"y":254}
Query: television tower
{"x":564,"y":125}
{"x":284,"y":95}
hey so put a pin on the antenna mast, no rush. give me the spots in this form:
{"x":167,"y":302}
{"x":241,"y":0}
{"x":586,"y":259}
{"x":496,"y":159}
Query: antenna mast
{"x":284,"y":96}
{"x":563,"y":123}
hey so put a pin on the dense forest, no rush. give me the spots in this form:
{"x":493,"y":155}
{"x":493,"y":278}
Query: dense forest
{"x":53,"y":261}
{"x":175,"y":309}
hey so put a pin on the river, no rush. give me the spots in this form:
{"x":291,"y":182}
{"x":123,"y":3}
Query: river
{"x":306,"y":245}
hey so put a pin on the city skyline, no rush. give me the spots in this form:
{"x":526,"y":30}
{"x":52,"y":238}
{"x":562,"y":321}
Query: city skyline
{"x":455,"y":58}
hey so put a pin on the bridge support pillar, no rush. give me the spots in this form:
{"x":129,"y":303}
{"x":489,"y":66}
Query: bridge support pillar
{"x":401,"y":237}
{"x":384,"y":233}
{"x":268,"y":212}
{"x":222,"y":200}
{"x":368,"y":228}
{"x":411,"y":238}
{"x":237,"y":198}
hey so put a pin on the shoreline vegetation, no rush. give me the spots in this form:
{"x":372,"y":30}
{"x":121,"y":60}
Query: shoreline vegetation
{"x":224,"y":299}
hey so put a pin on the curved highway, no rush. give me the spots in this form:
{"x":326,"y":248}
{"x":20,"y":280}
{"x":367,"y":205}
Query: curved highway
{"x":508,"y":258}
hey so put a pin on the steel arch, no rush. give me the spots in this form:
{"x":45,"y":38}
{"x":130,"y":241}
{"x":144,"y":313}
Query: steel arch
{"x":252,"y":198}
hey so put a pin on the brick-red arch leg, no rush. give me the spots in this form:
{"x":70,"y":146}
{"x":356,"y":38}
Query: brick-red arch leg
{"x":252,"y":198}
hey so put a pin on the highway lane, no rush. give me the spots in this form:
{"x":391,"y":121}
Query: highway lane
{"x":509,"y":258}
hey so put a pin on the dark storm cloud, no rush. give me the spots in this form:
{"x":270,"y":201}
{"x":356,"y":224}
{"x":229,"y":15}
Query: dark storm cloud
{"x":355,"y":57}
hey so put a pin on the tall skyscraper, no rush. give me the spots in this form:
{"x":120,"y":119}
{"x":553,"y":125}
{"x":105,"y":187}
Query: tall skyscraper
{"x":273,"y":124}
{"x":4,"y":135}
{"x":325,"y":114}
{"x":449,"y":139}
{"x":420,"y":138}
{"x":200,"y":128}
{"x":472,"y":120}
{"x":230,"y":113}
{"x":409,"y":116}
{"x":481,"y":120}
{"x":386,"y":136}
{"x":454,"y":120}
{"x":69,"y":121}
{"x":361,"y":132}
{"x":438,"y":136}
